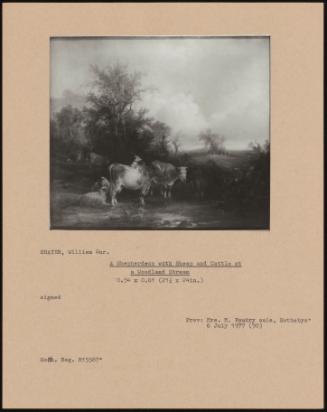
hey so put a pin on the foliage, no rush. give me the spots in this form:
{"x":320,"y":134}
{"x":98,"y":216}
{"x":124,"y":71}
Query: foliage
{"x":112,"y":123}
{"x":67,"y":133}
{"x":110,"y":112}
{"x":213,"y":141}
{"x":251,"y":190}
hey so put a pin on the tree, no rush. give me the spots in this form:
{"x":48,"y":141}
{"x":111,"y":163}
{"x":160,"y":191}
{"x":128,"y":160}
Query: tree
{"x":175,"y":143}
{"x":139,"y":133}
{"x":67,"y":131}
{"x":213,"y":141}
{"x":110,"y":106}
{"x":256,"y":147}
{"x":160,"y":139}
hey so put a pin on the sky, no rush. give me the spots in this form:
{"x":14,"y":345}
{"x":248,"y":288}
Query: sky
{"x":192,"y":84}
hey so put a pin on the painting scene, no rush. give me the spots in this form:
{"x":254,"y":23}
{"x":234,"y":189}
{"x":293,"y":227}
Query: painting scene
{"x":160,"y":133}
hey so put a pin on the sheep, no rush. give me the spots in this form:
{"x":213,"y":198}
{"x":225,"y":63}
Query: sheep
{"x":97,"y":198}
{"x":94,"y":199}
{"x":102,"y":182}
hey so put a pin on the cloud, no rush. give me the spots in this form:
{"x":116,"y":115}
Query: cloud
{"x":180,"y":112}
{"x":218,"y":83}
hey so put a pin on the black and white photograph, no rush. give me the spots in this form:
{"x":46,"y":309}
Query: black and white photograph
{"x":160,"y":133}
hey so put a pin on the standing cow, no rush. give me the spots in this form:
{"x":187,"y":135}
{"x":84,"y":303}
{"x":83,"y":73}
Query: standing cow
{"x":166,"y":175}
{"x":132,"y":178}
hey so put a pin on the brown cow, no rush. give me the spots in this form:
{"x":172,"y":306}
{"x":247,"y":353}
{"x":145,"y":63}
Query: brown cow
{"x":165,"y":175}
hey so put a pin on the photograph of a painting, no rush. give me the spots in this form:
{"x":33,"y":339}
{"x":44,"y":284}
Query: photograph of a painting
{"x":160,"y":133}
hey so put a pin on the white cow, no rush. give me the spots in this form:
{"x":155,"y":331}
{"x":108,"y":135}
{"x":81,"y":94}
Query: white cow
{"x":136,"y":178}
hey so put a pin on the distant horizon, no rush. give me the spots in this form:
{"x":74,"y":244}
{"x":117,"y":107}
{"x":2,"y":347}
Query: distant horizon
{"x":195,"y":148}
{"x":193,"y":84}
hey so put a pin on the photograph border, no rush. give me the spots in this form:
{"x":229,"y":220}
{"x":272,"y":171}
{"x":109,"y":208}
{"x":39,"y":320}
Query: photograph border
{"x":152,"y":37}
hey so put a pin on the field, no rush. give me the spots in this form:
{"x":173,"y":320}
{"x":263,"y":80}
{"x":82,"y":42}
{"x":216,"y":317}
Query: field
{"x":184,"y":211}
